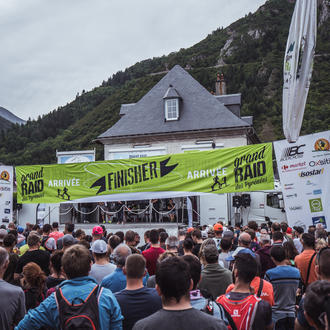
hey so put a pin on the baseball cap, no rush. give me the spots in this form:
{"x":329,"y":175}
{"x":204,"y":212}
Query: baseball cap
{"x":97,"y":230}
{"x":228,"y":234}
{"x":218,"y":227}
{"x":99,"y":246}
{"x":20,"y":229}
{"x":244,"y":250}
{"x":3,"y":233}
{"x":68,"y":240}
{"x":190,"y":229}
{"x":289,"y":230}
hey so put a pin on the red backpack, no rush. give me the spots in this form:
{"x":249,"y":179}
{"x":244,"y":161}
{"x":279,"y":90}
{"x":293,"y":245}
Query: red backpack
{"x":84,"y":315}
{"x":240,"y":312}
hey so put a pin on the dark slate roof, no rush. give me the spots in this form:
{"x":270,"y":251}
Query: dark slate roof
{"x":171,"y":93}
{"x":125,"y":108}
{"x":229,"y":99}
{"x":199,"y":110}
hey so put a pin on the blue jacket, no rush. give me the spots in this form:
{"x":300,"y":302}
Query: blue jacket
{"x":46,"y":314}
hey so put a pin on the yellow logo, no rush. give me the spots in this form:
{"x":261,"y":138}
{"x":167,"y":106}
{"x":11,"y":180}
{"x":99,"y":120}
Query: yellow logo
{"x":322,"y":145}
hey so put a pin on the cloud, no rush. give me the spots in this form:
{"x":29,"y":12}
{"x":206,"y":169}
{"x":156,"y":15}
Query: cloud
{"x":50,"y":50}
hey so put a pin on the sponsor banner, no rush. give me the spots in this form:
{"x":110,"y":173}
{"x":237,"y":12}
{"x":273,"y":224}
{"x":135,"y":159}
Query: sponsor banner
{"x":298,"y":66}
{"x":304,"y":169}
{"x":6,"y":193}
{"x":246,"y":168}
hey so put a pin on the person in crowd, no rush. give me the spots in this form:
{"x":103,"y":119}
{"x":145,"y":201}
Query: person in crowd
{"x":102,"y":267}
{"x":284,"y":228}
{"x":130,"y":241}
{"x":225,"y":246}
{"x":278,"y":238}
{"x":290,"y":252}
{"x":266,"y":261}
{"x":55,"y":233}
{"x":113,"y":242}
{"x":151,"y":282}
{"x":3,"y":233}
{"x":298,"y":231}
{"x":181,"y":237}
{"x":320,"y":243}
{"x":68,"y":229}
{"x":49,"y":243}
{"x":215,"y":279}
{"x":317,"y":305}
{"x":151,"y":255}
{"x":197,"y":300}
{"x":33,"y":283}
{"x":173,"y":285}
{"x":137,"y":239}
{"x":97,"y":233}
{"x":246,"y":310}
{"x":121,"y":235}
{"x":57,"y":275}
{"x":218,"y":230}
{"x":322,"y":270}
{"x":261,"y":288}
{"x":76,"y":263}
{"x":188,"y":246}
{"x":305,"y":261}
{"x":244,"y":242}
{"x":311,"y":230}
{"x":80,"y":234}
{"x":254,"y":246}
{"x":136,"y":301}
{"x":21,"y":239}
{"x":275,"y":227}
{"x":25,"y":247}
{"x":285,"y":280}
{"x":162,"y":239}
{"x":67,"y":241}
{"x":9,"y":243}
{"x":116,"y":281}
{"x":146,"y":244}
{"x":321,"y":233}
{"x":12,"y":301}
{"x":172,"y":244}
{"x":196,"y":236}
{"x":40,"y":257}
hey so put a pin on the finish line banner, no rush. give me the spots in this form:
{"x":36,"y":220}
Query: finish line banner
{"x":239,"y":169}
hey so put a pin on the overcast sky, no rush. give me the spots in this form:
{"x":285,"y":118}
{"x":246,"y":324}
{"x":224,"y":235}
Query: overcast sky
{"x":50,"y":50}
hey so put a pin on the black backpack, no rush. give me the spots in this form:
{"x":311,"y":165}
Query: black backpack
{"x":84,"y":315}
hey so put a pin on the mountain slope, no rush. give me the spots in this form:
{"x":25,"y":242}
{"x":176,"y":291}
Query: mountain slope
{"x":7,"y":118}
{"x":250,"y":54}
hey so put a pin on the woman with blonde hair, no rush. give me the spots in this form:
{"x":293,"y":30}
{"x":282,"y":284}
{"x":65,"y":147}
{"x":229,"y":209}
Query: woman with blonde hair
{"x":34,"y":285}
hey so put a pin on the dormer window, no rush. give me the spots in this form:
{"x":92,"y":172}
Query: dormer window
{"x":171,"y":104}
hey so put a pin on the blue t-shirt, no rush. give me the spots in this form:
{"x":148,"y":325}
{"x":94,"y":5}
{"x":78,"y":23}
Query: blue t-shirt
{"x":285,"y":281}
{"x":137,"y":304}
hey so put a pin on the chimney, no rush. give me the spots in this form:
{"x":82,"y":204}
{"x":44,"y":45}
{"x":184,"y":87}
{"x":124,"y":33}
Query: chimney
{"x":217,"y":85}
{"x":223,"y":88}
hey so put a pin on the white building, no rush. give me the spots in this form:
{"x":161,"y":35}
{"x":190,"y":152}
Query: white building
{"x":180,"y":115}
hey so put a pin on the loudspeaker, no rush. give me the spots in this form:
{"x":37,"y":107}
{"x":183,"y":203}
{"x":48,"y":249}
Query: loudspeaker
{"x":237,"y":201}
{"x":246,"y":200}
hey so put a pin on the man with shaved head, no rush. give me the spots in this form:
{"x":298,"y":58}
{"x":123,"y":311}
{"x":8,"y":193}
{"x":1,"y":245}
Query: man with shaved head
{"x":12,"y":304}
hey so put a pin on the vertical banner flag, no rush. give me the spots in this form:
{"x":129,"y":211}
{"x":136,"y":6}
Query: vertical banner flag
{"x":304,"y":169}
{"x":245,"y":168}
{"x":298,"y":66}
{"x":6,"y":193}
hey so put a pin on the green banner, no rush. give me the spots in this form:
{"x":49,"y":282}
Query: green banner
{"x":227,"y":170}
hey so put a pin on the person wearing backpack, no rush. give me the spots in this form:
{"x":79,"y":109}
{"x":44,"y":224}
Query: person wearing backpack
{"x":243,"y":309}
{"x":49,"y":243}
{"x":78,"y":303}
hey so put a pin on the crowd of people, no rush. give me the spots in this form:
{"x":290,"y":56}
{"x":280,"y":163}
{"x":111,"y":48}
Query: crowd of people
{"x":212,"y":277}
